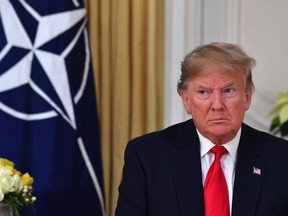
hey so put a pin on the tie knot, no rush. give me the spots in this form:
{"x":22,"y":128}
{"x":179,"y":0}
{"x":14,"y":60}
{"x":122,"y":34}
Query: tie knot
{"x":218,"y":151}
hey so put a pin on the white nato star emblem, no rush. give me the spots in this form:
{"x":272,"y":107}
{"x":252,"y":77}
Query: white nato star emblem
{"x":20,"y":73}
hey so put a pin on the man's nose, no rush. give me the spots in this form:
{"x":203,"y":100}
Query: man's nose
{"x":217,"y":101}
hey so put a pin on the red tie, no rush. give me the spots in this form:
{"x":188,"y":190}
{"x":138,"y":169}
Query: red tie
{"x":215,"y":188}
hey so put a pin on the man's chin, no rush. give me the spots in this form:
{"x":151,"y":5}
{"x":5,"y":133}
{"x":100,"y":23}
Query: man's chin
{"x":219,"y":131}
{"x":221,"y":135}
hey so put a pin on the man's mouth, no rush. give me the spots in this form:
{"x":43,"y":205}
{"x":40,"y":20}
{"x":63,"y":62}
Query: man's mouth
{"x":218,"y":120}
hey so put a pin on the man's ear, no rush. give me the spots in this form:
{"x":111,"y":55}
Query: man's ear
{"x":186,"y":100}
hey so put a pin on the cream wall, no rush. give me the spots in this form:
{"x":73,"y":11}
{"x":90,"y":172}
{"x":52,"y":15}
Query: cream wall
{"x":264,"y":35}
{"x":257,"y":25}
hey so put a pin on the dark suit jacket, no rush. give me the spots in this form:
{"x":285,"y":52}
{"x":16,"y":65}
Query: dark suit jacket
{"x":162,"y":175}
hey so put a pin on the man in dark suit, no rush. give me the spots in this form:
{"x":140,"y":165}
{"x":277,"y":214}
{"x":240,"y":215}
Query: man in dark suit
{"x":165,"y":171}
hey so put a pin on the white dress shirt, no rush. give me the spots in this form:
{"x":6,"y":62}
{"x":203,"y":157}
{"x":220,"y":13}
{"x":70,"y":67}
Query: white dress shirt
{"x":228,"y":161}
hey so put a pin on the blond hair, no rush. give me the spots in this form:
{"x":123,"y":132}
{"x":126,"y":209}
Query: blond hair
{"x":227,"y":56}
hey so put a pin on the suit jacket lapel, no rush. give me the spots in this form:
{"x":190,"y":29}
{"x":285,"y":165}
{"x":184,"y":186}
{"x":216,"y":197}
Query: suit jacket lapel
{"x":249,"y":174}
{"x":186,"y":168}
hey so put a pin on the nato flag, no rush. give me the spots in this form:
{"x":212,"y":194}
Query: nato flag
{"x":48,"y":115}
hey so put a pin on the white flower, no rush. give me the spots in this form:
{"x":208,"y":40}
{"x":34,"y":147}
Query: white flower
{"x":9,"y":182}
{"x":4,"y":171}
{"x":1,"y":194}
{"x":14,"y":184}
{"x":18,"y":184}
{"x":6,"y":180}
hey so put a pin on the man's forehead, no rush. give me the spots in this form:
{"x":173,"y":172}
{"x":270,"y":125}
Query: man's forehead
{"x":217,"y":74}
{"x":214,"y":85}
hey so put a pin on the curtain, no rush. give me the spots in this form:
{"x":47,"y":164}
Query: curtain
{"x":128,"y":56}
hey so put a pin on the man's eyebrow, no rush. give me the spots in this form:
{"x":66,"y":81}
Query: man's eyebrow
{"x":228,"y":84}
{"x":202,"y":85}
{"x":206,"y":87}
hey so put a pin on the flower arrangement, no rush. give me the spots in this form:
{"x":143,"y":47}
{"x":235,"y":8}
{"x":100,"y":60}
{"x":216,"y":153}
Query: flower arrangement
{"x":15,"y":188}
{"x":280,"y":115}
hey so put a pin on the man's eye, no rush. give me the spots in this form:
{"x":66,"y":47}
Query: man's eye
{"x":229,"y":92}
{"x":202,"y":94}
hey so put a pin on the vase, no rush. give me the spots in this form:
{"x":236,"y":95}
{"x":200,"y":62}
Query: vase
{"x":5,"y":209}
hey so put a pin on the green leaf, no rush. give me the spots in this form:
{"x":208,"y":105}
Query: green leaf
{"x":283,"y":97}
{"x":275,"y":123}
{"x":284,"y":129}
{"x":14,"y":201}
{"x":281,"y":102}
{"x":283,"y":114}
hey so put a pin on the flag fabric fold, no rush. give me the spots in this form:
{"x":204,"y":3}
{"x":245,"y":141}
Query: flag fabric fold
{"x":48,"y":112}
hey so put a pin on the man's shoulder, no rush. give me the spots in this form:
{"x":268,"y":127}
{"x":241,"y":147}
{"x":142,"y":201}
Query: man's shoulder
{"x":176,"y":129}
{"x":254,"y":133}
{"x":158,"y":145}
{"x":166,"y":135}
{"x":268,"y":141}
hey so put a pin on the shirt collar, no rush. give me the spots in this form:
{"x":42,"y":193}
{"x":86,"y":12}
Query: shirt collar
{"x":231,"y":146}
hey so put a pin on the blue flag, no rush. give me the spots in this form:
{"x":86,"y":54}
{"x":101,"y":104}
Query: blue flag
{"x":48,"y":115}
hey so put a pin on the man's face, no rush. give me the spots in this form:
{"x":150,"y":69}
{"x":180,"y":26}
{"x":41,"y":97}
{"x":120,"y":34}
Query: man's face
{"x":217,"y":101}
